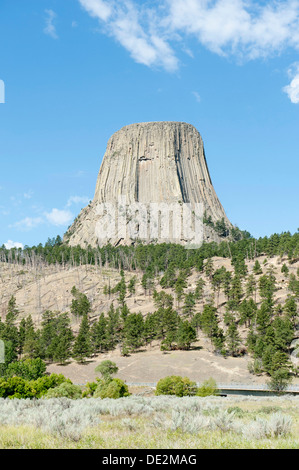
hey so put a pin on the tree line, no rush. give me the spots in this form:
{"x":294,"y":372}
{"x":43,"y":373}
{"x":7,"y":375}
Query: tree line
{"x":154,"y":258}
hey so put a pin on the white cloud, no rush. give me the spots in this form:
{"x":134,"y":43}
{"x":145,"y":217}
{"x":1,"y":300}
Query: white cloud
{"x":10,"y":244}
{"x":237,"y":27}
{"x":292,"y":89}
{"x":50,"y":28}
{"x":130,"y":24}
{"x":243,"y":28}
{"x":98,"y":8}
{"x":59,"y":217}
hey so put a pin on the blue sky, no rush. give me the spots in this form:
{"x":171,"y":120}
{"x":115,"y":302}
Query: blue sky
{"x":73,"y":72}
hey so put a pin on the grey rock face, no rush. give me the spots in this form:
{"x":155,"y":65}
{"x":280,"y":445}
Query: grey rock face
{"x":150,"y":163}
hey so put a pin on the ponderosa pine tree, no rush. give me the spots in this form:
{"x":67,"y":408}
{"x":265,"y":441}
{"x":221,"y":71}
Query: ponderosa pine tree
{"x":239,"y":265}
{"x":21,"y":335}
{"x":65,"y":338}
{"x":199,"y":289}
{"x":247,"y":311}
{"x":12,"y":312}
{"x":170,"y":320}
{"x":208,"y":320}
{"x":80,"y":304}
{"x":285,"y":269}
{"x":121,"y":288}
{"x":47,"y":337}
{"x":31,"y":346}
{"x":189,"y":305}
{"x":267,"y":288}
{"x":10,"y":333}
{"x":179,"y":287}
{"x":169,"y":278}
{"x":185,"y":335}
{"x":236,"y":291}
{"x":113,"y":326}
{"x":209,"y":268}
{"x":82,"y":348}
{"x":134,"y":331}
{"x":98,"y":334}
{"x":132,"y":285}
{"x":162,"y":299}
{"x":251,"y":287}
{"x":257,"y":269}
{"x":291,"y":310}
{"x":233,"y":339}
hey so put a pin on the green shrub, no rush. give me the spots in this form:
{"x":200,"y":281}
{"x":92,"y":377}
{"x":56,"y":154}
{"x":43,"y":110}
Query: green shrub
{"x":28,"y":369}
{"x":176,"y":385}
{"x":66,"y":389}
{"x":90,"y":388}
{"x":236,"y":411}
{"x":43,"y":384}
{"x":255,"y":367}
{"x":107,"y":369}
{"x":208,"y":387}
{"x":280,"y":379}
{"x":114,"y":388}
{"x":17,"y":387}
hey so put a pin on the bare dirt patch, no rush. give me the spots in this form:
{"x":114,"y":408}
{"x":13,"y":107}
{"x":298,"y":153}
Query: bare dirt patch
{"x":148,"y":366}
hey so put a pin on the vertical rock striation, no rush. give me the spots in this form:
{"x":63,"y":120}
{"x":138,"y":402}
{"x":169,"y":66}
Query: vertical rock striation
{"x":152,"y":162}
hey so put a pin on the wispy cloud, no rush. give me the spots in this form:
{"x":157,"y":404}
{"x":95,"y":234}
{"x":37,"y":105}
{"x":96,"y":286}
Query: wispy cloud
{"x":77,"y":200}
{"x":50,"y":28}
{"x":28,"y":194}
{"x":196,"y":95}
{"x":154,"y":33}
{"x":57,"y":217}
{"x":292,"y":89}
{"x":131,"y":25}
{"x":27,"y":223}
{"x":4,"y":210}
{"x":98,"y":8}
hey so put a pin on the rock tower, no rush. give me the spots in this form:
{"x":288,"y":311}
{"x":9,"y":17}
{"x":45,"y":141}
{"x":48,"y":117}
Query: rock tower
{"x":146,"y":165}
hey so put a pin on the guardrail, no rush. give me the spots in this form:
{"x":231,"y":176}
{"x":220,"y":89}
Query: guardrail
{"x":254,"y":388}
{"x":245,"y":388}
{"x":261,"y":387}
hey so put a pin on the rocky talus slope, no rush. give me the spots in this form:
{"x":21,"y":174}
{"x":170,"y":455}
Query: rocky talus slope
{"x":160,"y":166}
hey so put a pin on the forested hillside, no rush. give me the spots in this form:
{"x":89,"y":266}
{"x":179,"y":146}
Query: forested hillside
{"x":241,"y":296}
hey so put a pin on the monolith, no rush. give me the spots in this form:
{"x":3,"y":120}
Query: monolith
{"x":150,"y":170}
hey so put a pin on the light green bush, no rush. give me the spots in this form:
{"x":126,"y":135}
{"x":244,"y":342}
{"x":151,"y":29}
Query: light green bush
{"x":209,"y":387}
{"x":17,"y":387}
{"x":176,"y":385}
{"x":65,"y":389}
{"x":114,"y":388}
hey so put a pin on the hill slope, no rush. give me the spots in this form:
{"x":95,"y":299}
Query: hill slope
{"x":42,"y":288}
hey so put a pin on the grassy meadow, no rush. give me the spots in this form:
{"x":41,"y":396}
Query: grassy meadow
{"x":160,"y":422}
